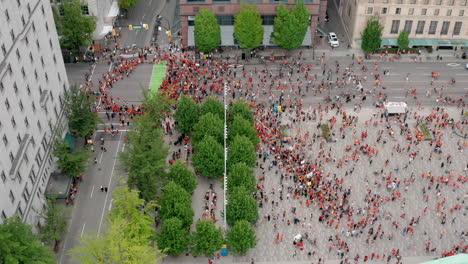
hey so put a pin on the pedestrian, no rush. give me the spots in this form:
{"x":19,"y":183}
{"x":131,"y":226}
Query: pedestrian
{"x":102,"y":188}
{"x":105,"y":189}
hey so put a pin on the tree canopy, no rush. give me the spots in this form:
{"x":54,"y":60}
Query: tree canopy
{"x":241,"y":175}
{"x":209,"y":125}
{"x":186,"y":115}
{"x":248,"y":28}
{"x":291,"y":25}
{"x":403,"y":40}
{"x":241,"y":206}
{"x":74,"y":28}
{"x":372,"y":35}
{"x":242,"y":127}
{"x":72,"y":163}
{"x":208,"y":158}
{"x":176,"y":202}
{"x":82,"y":120}
{"x":183,"y":176}
{"x":241,"y":108}
{"x":214,"y":106}
{"x":207,"y":31}
{"x":55,"y":219}
{"x":241,"y":237}
{"x":173,"y":237}
{"x":18,"y":244}
{"x":126,"y":4}
{"x":207,"y":239}
{"x":241,"y":149}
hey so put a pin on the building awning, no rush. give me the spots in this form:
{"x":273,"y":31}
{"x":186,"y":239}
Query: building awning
{"x":114,"y":10}
{"x":457,"y":259}
{"x":70,"y":141}
{"x":106,"y":29}
{"x":424,"y":42}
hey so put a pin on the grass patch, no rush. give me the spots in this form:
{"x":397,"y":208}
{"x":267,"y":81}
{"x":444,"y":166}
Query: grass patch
{"x":326,"y":132}
{"x":425,"y":131}
{"x":157,"y":77}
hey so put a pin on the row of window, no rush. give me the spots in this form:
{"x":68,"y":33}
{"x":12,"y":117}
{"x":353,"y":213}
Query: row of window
{"x":425,"y":2}
{"x":420,"y":27}
{"x":385,"y":10}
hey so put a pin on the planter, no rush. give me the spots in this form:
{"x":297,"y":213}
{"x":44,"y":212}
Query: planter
{"x":326,"y":133}
{"x":425,"y":131}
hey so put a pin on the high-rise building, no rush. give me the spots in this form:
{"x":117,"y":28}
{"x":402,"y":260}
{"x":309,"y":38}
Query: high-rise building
{"x":105,"y":12}
{"x":226,"y":9}
{"x":32,"y":83}
{"x":430,"y":23}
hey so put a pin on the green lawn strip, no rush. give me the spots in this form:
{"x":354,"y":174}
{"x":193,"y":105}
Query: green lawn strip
{"x":157,"y":77}
{"x":326,"y":132}
{"x":425,"y":131}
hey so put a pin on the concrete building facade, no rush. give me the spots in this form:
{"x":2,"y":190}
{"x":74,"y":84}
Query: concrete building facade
{"x":431,"y":23}
{"x":32,"y":83}
{"x":226,"y":9}
{"x":105,"y":12}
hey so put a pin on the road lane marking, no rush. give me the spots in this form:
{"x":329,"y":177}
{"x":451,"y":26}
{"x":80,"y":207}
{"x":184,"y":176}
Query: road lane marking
{"x":109,"y":184}
{"x":100,"y":159}
{"x":82,"y":230}
{"x":461,"y":74}
{"x":110,"y":204}
{"x":123,"y":147}
{"x":110,"y":66}
{"x":92,"y":191}
{"x":151,"y":1}
{"x":398,"y":97}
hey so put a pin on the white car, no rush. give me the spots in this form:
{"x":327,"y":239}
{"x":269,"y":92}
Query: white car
{"x":333,"y":40}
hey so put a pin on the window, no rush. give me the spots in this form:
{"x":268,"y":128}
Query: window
{"x":55,"y":60}
{"x":420,"y":27}
{"x":371,"y":1}
{"x":436,"y":12}
{"x":268,"y":20}
{"x":33,"y":107}
{"x":7,"y":104}
{"x":85,"y":10}
{"x":37,"y":44}
{"x":370,"y":10}
{"x":225,"y":20}
{"x":21,"y":105}
{"x":3,"y":49}
{"x":23,"y":21}
{"x":461,"y":12}
{"x":32,"y":175}
{"x":432,"y":27}
{"x":26,"y":122}
{"x":5,"y":140}
{"x":451,"y":2}
{"x":12,"y":197}
{"x":10,"y":71}
{"x":395,"y":26}
{"x":449,"y":12}
{"x":411,"y":11}
{"x":426,"y":2}
{"x":400,"y":1}
{"x":385,"y":1}
{"x":12,"y":34}
{"x":463,"y":2}
{"x":47,"y":26}
{"x":39,"y":125}
{"x":15,"y":86}
{"x":26,"y":194}
{"x":3,"y":176}
{"x":412,"y":2}
{"x":398,"y":11}
{"x":35,"y":75}
{"x":2,"y":87}
{"x":19,"y":210}
{"x":445,"y":28}
{"x":31,"y":58}
{"x":27,"y":40}
{"x":11,"y":157}
{"x":4,"y":216}
{"x":42,"y":9}
{"x":33,"y":27}
{"x":28,"y":89}
{"x":384,"y":10}
{"x":408,"y":25}
{"x":7,"y":15}
{"x":438,"y":2}
{"x":423,"y":11}
{"x":13,"y":121}
{"x":23,"y":73}
{"x":457,"y":28}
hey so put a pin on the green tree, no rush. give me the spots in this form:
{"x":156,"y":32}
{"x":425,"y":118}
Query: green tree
{"x":241,"y":175}
{"x":82,"y":120}
{"x":248,"y":28}
{"x":74,"y":28}
{"x":156,"y":105}
{"x":127,"y":205}
{"x":240,"y":126}
{"x":55,"y":217}
{"x":241,"y":108}
{"x":207,"y":31}
{"x":291,"y":25}
{"x":241,"y":149}
{"x":372,"y":35}
{"x":18,"y":244}
{"x":403,"y":40}
{"x":173,"y":237}
{"x":214,"y":106}
{"x":127,"y":4}
{"x":72,"y":163}
{"x":241,"y":206}
{"x":209,"y":125}
{"x":187,"y":114}
{"x":207,"y":239}
{"x":241,"y":237}
{"x":145,"y":158}
{"x":208,"y":158}
{"x":115,"y":247}
{"x":176,"y":202}
{"x":183,"y":176}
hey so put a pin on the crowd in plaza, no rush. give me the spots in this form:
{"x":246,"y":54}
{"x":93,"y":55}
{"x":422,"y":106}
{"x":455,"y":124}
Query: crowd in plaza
{"x":320,"y":180}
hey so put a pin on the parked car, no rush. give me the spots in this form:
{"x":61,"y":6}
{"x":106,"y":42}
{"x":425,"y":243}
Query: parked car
{"x":333,"y":40}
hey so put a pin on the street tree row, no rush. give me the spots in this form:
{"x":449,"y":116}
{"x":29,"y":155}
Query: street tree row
{"x":290,"y":27}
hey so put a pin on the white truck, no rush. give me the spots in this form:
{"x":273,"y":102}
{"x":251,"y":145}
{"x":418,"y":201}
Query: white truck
{"x":395,"y":108}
